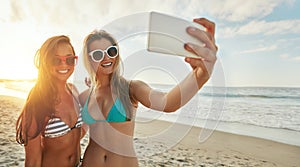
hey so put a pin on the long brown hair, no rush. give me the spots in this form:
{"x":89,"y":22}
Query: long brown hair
{"x":120,"y":86}
{"x":43,"y":97}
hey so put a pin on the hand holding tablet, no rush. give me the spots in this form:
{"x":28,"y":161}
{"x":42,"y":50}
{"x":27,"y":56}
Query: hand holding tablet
{"x":169,"y":35}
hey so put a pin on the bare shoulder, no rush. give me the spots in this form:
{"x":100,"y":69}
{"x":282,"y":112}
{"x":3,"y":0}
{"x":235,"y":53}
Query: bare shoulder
{"x":73,"y":88}
{"x":138,"y":87}
{"x":83,"y":96}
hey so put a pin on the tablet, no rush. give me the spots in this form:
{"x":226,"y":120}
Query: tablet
{"x":167,"y":34}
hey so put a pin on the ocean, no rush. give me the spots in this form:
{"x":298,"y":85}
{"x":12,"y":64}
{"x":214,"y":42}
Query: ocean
{"x":266,"y":112}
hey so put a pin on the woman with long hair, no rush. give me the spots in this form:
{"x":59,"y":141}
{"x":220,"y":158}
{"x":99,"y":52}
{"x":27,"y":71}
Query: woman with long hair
{"x":110,"y":104}
{"x":50,"y":124}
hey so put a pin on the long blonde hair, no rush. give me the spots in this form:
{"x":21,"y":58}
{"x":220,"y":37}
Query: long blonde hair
{"x":43,"y":97}
{"x":120,"y":86}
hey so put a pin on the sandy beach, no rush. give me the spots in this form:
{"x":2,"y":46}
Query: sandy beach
{"x":220,"y":149}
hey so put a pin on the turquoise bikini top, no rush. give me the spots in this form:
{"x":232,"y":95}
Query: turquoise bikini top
{"x":117,"y":113}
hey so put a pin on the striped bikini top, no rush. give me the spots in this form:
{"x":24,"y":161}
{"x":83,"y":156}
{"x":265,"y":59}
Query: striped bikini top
{"x":56,"y":127}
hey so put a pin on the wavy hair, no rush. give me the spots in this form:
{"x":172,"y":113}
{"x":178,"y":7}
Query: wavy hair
{"x":43,"y":97}
{"x":120,"y":86}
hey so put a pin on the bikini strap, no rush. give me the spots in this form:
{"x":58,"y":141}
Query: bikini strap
{"x":91,"y":92}
{"x":88,"y":98}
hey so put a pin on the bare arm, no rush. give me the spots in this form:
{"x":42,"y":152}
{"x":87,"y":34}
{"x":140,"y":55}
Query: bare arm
{"x":33,"y":149}
{"x":83,"y":96}
{"x":82,"y":99}
{"x":186,"y":89}
{"x":167,"y":102}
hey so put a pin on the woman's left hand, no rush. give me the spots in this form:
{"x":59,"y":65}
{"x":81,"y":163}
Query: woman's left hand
{"x":203,"y":66}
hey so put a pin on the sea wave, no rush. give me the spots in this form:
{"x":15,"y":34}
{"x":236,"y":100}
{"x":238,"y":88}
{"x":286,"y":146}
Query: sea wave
{"x":248,"y":96}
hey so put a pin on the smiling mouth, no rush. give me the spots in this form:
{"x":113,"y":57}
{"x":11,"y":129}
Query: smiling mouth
{"x":106,"y":64}
{"x":63,"y":71}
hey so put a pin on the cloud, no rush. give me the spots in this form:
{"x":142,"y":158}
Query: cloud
{"x":4,"y":11}
{"x":83,"y":12}
{"x":234,"y":10}
{"x":289,"y":58}
{"x":261,"y":49}
{"x":77,"y":15}
{"x":263,"y":27}
{"x":284,"y":56}
{"x":296,"y":58}
{"x":81,"y":16}
{"x":78,"y":11}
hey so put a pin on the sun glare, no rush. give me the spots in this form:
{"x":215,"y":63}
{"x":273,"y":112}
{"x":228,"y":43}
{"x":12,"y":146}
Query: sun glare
{"x":155,"y":76}
{"x":17,"y":68}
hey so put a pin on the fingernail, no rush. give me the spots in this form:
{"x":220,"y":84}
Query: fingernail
{"x":192,"y":29}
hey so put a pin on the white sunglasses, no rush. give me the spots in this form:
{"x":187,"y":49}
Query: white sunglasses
{"x":98,"y":54}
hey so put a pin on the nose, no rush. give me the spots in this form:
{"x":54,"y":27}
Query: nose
{"x":106,"y":56}
{"x":63,"y":62}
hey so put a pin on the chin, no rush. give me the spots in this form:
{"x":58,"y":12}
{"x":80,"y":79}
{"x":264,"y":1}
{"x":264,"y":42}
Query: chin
{"x":105,"y":71}
{"x":62,"y":78}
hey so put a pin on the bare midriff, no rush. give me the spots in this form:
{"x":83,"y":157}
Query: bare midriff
{"x":111,"y":144}
{"x":62,"y":151}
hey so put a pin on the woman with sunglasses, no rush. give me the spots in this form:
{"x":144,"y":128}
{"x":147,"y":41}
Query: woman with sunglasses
{"x":110,"y":104}
{"x":50,"y":124}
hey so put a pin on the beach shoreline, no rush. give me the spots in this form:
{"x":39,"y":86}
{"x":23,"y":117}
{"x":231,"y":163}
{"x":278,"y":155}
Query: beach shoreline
{"x":157,"y":144}
{"x":222,"y":149}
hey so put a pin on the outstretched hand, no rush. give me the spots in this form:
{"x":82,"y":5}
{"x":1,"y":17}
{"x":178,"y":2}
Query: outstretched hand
{"x":202,"y":66}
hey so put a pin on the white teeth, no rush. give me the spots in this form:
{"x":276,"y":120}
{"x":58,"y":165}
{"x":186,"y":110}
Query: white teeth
{"x":63,"y":71}
{"x":106,"y":64}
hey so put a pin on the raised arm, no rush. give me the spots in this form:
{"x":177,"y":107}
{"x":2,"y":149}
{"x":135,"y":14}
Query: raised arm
{"x":187,"y":88}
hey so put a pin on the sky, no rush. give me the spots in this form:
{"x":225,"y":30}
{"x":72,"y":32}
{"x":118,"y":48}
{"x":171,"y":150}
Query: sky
{"x":258,"y":39}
